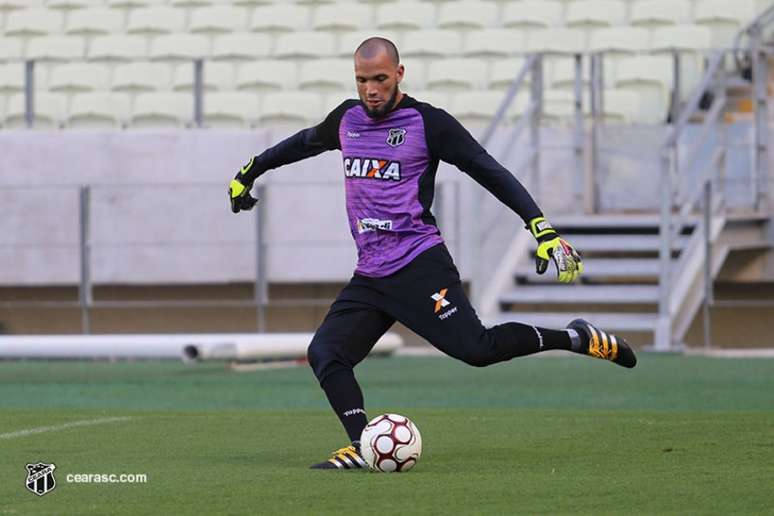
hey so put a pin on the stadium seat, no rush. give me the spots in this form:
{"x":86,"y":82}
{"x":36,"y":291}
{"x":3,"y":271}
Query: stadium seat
{"x":241,"y":46}
{"x":11,"y":78}
{"x":328,"y":75}
{"x":342,"y":17}
{"x":465,"y":15}
{"x":79,"y":77}
{"x":11,"y":49}
{"x":494,"y":43}
{"x":118,"y":48}
{"x":660,"y":13}
{"x":99,"y":110}
{"x":263,"y":76}
{"x":455,"y":75}
{"x":622,"y":106}
{"x":530,"y":14}
{"x":439,"y":99}
{"x":620,"y":40}
{"x":196,"y":3}
{"x":134,"y":4}
{"x":559,"y":105}
{"x":724,"y":18}
{"x":216,"y":77}
{"x":141,"y":77}
{"x":280,"y":18}
{"x":503,"y":72}
{"x":230,"y":109}
{"x":304,"y":45}
{"x":560,"y":73}
{"x":2,"y":111}
{"x":11,"y":5}
{"x":332,"y":101}
{"x":479,"y":107}
{"x":349,"y":41}
{"x":681,"y":37}
{"x":180,"y":47}
{"x":414,"y":74}
{"x":294,"y":107}
{"x":56,"y":48}
{"x":153,"y":21}
{"x":431,"y":43}
{"x":651,"y":78}
{"x":66,"y":5}
{"x":219,"y":19}
{"x":391,"y":18}
{"x":33,"y":22}
{"x":163,"y":109}
{"x":88,"y":22}
{"x":50,"y":110}
{"x":254,"y":3}
{"x":590,"y":14}
{"x":557,"y":41}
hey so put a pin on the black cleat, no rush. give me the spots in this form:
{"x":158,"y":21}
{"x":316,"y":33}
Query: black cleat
{"x":605,"y":345}
{"x":344,"y":458}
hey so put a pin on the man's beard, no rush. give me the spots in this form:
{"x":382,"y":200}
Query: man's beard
{"x":384,"y":108}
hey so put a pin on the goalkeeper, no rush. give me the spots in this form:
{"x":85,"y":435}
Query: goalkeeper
{"x":391,"y":145}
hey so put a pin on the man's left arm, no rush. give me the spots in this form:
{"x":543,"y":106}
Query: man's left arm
{"x":453,"y":144}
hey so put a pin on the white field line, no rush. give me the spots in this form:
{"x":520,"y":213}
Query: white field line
{"x":64,"y":426}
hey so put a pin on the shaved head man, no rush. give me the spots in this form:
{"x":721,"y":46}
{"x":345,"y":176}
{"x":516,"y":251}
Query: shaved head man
{"x":378,"y":73}
{"x":391,"y":145}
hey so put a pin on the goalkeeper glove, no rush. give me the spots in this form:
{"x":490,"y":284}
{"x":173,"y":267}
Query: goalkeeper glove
{"x":551,"y":247}
{"x":239,"y":192}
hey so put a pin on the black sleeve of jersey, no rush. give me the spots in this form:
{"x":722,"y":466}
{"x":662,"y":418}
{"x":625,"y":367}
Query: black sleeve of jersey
{"x":449,"y":141}
{"x":304,"y":144}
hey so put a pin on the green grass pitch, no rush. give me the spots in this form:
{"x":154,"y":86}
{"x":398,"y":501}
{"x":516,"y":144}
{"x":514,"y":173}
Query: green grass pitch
{"x":678,"y":435}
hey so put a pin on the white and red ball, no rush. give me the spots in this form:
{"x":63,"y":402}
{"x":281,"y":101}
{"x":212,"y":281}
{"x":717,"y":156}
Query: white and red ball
{"x":391,"y":442}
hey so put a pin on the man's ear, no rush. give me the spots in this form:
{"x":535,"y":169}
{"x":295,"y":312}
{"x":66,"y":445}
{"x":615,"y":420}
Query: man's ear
{"x":400,"y":72}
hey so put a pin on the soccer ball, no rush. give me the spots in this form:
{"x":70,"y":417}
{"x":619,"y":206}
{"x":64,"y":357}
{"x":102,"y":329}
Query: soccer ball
{"x":390,"y":443}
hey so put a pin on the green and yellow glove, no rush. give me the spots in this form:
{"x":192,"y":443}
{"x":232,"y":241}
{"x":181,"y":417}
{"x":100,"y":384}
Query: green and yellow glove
{"x":551,"y":247}
{"x":239,"y":192}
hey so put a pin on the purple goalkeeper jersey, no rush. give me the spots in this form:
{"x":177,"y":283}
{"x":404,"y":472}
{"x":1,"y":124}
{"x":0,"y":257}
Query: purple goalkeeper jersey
{"x":389,"y":167}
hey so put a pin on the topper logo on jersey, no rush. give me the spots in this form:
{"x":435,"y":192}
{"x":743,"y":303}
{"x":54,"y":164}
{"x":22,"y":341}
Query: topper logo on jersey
{"x":372,"y":168}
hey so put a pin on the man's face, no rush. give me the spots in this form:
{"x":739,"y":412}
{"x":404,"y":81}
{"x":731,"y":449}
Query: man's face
{"x":377,"y":83}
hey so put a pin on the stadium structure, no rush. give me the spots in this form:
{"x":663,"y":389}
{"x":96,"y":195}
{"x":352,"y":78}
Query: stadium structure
{"x":642,"y":127}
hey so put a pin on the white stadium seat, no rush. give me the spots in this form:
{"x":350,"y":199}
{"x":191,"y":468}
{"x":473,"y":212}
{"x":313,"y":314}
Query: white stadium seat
{"x":11,"y":49}
{"x":133,"y":4}
{"x":67,"y":5}
{"x":263,"y":76}
{"x":241,"y":46}
{"x":10,"y":5}
{"x":557,"y":41}
{"x":560,"y":73}
{"x":391,"y":18}
{"x":230,"y":109}
{"x":349,"y":41}
{"x":99,"y":110}
{"x":163,"y":109}
{"x":439,"y":99}
{"x":254,"y":3}
{"x":56,"y":48}
{"x":724,"y":18}
{"x":530,"y":14}
{"x":79,"y":77}
{"x":216,"y":77}
{"x":589,"y":14}
{"x":195,"y":3}
{"x":681,"y":37}
{"x":620,"y":40}
{"x":141,"y":77}
{"x":660,"y":13}
{"x":2,"y":110}
{"x":219,"y":19}
{"x":465,"y":15}
{"x":503,"y":72}
{"x":33,"y":22}
{"x":49,"y":109}
{"x":342,"y":17}
{"x":494,"y":43}
{"x":11,"y":78}
{"x":306,"y":45}
{"x":86,"y":22}
{"x":643,"y":70}
{"x":183,"y":47}
{"x":276,"y":18}
{"x":478,"y":107}
{"x":558,"y":105}
{"x":328,"y":75}
{"x":431,"y":43}
{"x":152,"y":21}
{"x":454,"y":75}
{"x":118,"y":48}
{"x":295,"y":107}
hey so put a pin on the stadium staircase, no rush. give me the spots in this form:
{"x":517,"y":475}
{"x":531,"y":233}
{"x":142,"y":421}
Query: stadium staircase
{"x":619,"y":288}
